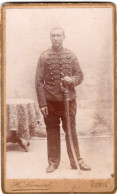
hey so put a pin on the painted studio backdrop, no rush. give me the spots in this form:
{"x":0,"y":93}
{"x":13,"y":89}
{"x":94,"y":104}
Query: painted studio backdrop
{"x":88,"y":34}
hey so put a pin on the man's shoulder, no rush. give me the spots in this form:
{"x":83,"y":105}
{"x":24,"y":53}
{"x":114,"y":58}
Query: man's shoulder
{"x":69,"y":52}
{"x":46,"y":52}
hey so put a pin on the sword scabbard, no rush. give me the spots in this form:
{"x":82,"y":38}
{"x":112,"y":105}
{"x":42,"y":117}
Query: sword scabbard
{"x":66,"y":103}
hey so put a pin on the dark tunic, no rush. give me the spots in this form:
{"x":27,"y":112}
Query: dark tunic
{"x":52,"y":66}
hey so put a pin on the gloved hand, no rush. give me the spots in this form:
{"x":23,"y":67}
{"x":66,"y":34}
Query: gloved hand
{"x":67,"y":80}
{"x":44,"y":111}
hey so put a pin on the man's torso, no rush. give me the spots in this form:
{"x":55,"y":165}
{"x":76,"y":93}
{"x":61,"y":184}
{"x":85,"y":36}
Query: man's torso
{"x":57,"y":65}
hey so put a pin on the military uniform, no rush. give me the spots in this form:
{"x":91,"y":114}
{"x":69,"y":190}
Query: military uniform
{"x":53,"y":66}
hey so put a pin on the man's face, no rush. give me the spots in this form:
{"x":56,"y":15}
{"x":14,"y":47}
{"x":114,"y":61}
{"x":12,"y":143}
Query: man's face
{"x":57,"y":37}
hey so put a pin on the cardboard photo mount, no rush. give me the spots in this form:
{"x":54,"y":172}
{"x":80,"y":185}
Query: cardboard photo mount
{"x":19,"y":185}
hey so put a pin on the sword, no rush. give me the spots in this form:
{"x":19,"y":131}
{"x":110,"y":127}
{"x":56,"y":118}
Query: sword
{"x":66,"y":103}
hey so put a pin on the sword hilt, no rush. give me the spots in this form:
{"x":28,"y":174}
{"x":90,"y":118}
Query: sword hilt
{"x":65,"y":90}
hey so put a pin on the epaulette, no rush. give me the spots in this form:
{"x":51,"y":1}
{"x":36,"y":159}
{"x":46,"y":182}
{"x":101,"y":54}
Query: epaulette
{"x":69,"y":51}
{"x":45,"y":51}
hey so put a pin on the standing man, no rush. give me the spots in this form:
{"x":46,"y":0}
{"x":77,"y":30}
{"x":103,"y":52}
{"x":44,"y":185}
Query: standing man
{"x":55,"y":66}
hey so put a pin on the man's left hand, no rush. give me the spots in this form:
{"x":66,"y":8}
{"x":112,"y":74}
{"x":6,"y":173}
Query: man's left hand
{"x":67,"y":79}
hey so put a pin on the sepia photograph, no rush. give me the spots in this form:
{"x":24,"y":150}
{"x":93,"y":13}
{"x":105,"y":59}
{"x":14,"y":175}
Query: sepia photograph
{"x":58,"y":101}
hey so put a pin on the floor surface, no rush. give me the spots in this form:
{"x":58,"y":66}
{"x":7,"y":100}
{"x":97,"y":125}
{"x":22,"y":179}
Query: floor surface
{"x":97,"y":152}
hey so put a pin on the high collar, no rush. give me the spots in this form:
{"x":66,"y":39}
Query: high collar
{"x":60,"y":49}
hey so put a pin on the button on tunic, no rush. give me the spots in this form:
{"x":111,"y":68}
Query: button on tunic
{"x":52,"y":66}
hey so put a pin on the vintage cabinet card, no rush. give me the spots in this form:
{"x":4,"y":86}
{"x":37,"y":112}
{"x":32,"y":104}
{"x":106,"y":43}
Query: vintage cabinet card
{"x":58,"y":97}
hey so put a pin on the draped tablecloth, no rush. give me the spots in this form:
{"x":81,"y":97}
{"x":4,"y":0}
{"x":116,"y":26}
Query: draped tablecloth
{"x":22,"y":116}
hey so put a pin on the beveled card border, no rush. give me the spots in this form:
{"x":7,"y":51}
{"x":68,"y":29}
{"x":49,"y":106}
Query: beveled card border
{"x":52,"y":185}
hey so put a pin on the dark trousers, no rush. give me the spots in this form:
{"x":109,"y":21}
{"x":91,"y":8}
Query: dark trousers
{"x":56,"y":113}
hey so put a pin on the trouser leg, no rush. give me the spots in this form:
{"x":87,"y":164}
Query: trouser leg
{"x":53,"y":138}
{"x":72,"y":112}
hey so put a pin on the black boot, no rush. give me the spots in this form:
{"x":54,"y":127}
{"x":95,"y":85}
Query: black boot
{"x":51,"y":168}
{"x":82,"y":165}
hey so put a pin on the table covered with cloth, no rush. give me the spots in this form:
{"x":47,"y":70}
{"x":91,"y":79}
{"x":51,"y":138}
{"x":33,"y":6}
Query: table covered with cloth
{"x":22,"y":116}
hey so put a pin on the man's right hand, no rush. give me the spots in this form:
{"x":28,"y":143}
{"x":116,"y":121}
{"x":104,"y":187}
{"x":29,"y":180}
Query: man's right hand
{"x":44,"y":111}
